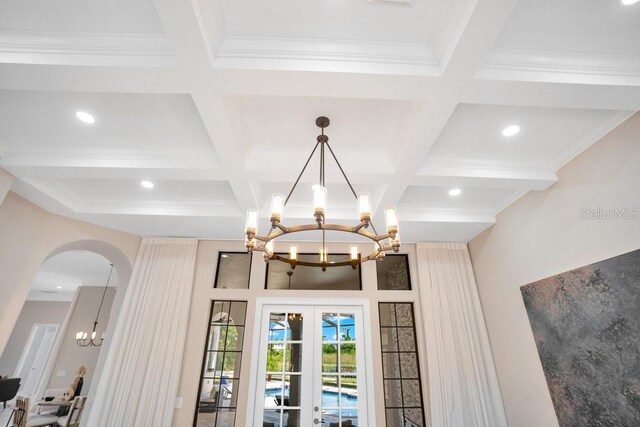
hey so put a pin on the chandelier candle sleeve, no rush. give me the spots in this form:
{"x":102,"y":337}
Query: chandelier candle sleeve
{"x":353,"y":252}
{"x":319,"y":200}
{"x":391,"y":218}
{"x":277,"y":207}
{"x":251,"y":225}
{"x":293,"y":253}
{"x":364,"y":206}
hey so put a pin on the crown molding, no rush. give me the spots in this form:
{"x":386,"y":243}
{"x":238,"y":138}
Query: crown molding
{"x":192,"y":208}
{"x":560,"y":67}
{"x":612,"y":122}
{"x":67,"y":48}
{"x":327,"y":55}
{"x":416,"y":214}
{"x":112,"y":158}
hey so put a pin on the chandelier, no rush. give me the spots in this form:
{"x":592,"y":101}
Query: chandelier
{"x":82,"y":338}
{"x":381,"y":242}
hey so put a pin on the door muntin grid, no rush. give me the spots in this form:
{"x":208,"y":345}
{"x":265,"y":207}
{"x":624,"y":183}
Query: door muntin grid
{"x":339,"y":368}
{"x":283,"y":369}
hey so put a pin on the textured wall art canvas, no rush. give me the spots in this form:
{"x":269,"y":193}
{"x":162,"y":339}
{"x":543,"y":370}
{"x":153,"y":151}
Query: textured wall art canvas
{"x":586,"y":324}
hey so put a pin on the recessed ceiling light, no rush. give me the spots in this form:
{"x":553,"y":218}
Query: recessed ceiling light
{"x":85,"y":117}
{"x":58,"y":287}
{"x":628,"y":2}
{"x":455,"y":192}
{"x":147,"y":184}
{"x":511,"y":130}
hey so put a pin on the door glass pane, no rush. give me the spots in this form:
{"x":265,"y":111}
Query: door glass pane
{"x":330,"y":391}
{"x":283,"y":389}
{"x":348,"y":358}
{"x":273,"y":390}
{"x":271,"y":418}
{"x":275,"y":356}
{"x":293,"y":362}
{"x":347,"y":327}
{"x":348,"y":392}
{"x":330,"y":327}
{"x":294,"y":327}
{"x":329,"y":357}
{"x":293,"y":390}
{"x":349,"y":417}
{"x":340,"y":390}
{"x":291,"y":418}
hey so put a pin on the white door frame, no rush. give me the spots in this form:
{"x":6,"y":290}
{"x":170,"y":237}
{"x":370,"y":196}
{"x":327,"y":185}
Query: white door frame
{"x":331,"y":302}
{"x":42,"y":355}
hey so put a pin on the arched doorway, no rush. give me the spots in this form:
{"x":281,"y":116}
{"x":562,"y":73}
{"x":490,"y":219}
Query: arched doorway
{"x":74,"y":275}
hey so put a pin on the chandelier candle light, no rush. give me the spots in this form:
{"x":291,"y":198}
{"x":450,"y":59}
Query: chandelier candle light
{"x":390,"y":241}
{"x":82,"y":338}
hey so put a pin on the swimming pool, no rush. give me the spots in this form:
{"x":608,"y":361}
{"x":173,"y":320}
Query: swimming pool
{"x":329,"y":400}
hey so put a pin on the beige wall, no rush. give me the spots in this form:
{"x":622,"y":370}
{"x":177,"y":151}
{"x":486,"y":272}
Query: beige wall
{"x":29,"y":234}
{"x":203,"y":293}
{"x":32,"y":312}
{"x":544,"y":234}
{"x":71,"y":357}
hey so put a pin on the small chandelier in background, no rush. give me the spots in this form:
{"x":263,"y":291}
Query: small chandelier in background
{"x":82,"y":338}
{"x":381,"y":242}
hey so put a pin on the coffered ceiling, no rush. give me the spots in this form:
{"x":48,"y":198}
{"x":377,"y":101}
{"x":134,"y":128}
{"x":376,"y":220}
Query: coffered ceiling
{"x":214,"y":102}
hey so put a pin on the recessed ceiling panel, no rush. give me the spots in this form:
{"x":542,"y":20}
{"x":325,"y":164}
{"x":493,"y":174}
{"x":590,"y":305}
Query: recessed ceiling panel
{"x":283,"y":129}
{"x":333,"y":19}
{"x":125,"y":126}
{"x":573,"y":26}
{"x":547,"y":137}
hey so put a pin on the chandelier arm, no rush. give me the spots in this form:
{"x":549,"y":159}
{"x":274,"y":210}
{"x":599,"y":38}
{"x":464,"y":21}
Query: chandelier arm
{"x":301,"y":172}
{"x":342,"y":170}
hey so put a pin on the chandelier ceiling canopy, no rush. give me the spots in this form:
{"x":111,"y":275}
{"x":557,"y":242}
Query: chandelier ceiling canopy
{"x":390,"y":241}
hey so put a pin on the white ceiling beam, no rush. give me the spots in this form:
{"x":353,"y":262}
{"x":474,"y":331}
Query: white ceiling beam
{"x":129,"y":173}
{"x":120,"y":159}
{"x":85,"y":49}
{"x":479,"y":35}
{"x":476,"y":174}
{"x":195,"y":58}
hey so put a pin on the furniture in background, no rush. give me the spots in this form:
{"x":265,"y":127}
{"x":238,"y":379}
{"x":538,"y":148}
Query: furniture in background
{"x":51,"y":395}
{"x":8,"y":389}
{"x":75,"y":412}
{"x":22,"y":417}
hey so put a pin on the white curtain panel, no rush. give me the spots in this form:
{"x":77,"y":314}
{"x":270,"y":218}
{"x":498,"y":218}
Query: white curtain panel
{"x":139,"y":382}
{"x":463,"y":386}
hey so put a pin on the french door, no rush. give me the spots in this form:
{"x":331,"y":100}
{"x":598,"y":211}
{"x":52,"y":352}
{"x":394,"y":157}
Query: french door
{"x":311,"y":367}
